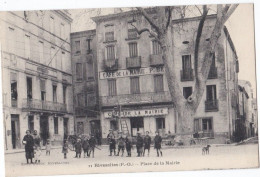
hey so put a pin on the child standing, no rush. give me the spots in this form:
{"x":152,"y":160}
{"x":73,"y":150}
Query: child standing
{"x":85,"y":147}
{"x":128,"y":145}
{"x":37,"y":154}
{"x":48,"y":147}
{"x":78,"y":148}
{"x":65,"y":148}
{"x":121,"y":145}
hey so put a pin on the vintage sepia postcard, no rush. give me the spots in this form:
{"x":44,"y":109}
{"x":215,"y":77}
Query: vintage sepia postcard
{"x":132,"y":89}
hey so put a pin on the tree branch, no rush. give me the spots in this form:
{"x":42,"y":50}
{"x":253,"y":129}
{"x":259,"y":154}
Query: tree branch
{"x":197,"y":42}
{"x":229,"y":12}
{"x":169,"y":17}
{"x":149,"y":19}
{"x":146,"y":30}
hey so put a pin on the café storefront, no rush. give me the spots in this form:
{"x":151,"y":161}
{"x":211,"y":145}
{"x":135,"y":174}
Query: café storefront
{"x":160,"y":119}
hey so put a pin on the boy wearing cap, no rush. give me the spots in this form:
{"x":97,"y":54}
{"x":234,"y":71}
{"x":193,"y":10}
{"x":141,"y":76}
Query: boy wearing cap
{"x":139,"y":144}
{"x":157,"y":143}
{"x":78,"y":148}
{"x":121,"y":144}
{"x":147,"y":143}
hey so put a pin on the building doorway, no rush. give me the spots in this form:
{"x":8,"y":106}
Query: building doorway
{"x":44,"y":129}
{"x":160,"y":126}
{"x":15,"y":129}
{"x":96,"y":130}
{"x":65,"y":127}
{"x":137,"y":125}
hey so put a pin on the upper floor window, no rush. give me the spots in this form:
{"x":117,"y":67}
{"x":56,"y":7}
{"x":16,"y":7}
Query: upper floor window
{"x":62,"y":30}
{"x":211,"y":93}
{"x":79,"y":72}
{"x":81,"y":99}
{"x":133,"y":52}
{"x":109,"y":33}
{"x":186,"y":62}
{"x":88,"y":46}
{"x":134,"y":85}
{"x":158,"y":83}
{"x":77,"y":45}
{"x":53,"y":57}
{"x":14,"y":91}
{"x":64,"y":94}
{"x":132,"y":33}
{"x":41,"y":52}
{"x":27,"y":47}
{"x":156,"y":47}
{"x":110,"y":52}
{"x":29,"y":87}
{"x":54,"y":93}
{"x":52,"y":25}
{"x":43,"y":90}
{"x":112,"y":87}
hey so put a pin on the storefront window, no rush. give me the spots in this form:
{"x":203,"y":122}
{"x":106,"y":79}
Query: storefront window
{"x":137,"y":125}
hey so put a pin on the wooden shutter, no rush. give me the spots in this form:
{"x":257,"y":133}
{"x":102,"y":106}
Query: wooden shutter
{"x":134,"y":84}
{"x":112,"y":87}
{"x":133,"y":50}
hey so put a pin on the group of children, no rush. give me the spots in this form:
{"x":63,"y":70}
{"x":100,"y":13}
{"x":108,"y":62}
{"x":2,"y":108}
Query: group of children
{"x":142,"y":144}
{"x":87,"y":144}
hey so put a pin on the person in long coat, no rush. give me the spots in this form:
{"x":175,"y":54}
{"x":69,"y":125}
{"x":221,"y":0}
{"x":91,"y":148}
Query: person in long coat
{"x":29,"y":145}
{"x":86,"y":147}
{"x":128,"y":146}
{"x":78,"y":148}
{"x":65,"y":148}
{"x":158,"y":143}
{"x":147,"y":143}
{"x":92,"y":145}
{"x":139,"y":145}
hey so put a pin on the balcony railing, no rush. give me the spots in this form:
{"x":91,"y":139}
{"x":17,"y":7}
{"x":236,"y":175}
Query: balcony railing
{"x":213,"y":73}
{"x":211,"y":105}
{"x":110,"y":64}
{"x":132,"y":34}
{"x":187,"y":75}
{"x":156,"y":60}
{"x":141,"y":98}
{"x":39,"y":105}
{"x":14,"y":103}
{"x":109,"y":36}
{"x":133,"y":62}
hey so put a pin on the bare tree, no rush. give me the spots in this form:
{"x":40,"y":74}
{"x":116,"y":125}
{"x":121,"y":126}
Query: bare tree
{"x":163,"y":33}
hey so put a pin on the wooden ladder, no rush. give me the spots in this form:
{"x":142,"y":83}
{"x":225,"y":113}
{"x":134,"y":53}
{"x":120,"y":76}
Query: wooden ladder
{"x":124,"y":128}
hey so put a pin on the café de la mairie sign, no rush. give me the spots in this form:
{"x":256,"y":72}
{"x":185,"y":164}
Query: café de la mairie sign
{"x":131,"y":72}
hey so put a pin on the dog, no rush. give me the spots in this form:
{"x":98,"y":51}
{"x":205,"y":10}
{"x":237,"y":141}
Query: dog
{"x":205,"y":150}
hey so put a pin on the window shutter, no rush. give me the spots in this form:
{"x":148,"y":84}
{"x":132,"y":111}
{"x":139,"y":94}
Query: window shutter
{"x":42,"y":85}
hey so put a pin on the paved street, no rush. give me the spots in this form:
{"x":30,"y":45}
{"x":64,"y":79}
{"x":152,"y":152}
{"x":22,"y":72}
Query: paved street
{"x":173,"y":159}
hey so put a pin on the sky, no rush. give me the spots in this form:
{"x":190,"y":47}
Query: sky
{"x":240,"y":26}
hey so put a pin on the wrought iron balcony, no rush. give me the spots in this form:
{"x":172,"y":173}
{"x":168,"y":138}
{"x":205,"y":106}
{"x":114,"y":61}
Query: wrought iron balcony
{"x":111,"y":64}
{"x":211,"y":105}
{"x":187,"y":75}
{"x":156,"y":60}
{"x":213,"y":73}
{"x":133,"y":62}
{"x":141,"y":98}
{"x":39,"y":105}
{"x":132,"y":34}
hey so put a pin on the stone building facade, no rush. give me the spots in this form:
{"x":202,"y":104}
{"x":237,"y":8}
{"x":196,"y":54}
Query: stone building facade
{"x":36,"y":75}
{"x":246,"y":110}
{"x":85,"y":85}
{"x":133,"y":86}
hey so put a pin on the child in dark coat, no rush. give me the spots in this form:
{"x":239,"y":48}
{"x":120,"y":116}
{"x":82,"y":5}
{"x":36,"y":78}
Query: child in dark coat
{"x":128,"y":145}
{"x":65,"y":148}
{"x":78,"y":148}
{"x":92,"y":145}
{"x":147,"y":143}
{"x":86,"y":147}
{"x":158,"y":143}
{"x":121,"y":145}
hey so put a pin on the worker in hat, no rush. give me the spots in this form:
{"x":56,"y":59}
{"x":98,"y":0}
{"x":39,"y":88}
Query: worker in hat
{"x":139,"y":144}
